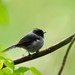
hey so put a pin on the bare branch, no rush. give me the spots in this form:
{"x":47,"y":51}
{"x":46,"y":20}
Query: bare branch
{"x":66,"y":55}
{"x":44,"y":52}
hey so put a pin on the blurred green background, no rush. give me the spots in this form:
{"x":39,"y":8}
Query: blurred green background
{"x":56,"y":17}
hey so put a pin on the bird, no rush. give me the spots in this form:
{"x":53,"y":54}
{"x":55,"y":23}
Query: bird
{"x":32,"y":42}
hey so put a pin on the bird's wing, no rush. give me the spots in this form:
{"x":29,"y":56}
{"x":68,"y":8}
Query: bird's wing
{"x":27,"y":40}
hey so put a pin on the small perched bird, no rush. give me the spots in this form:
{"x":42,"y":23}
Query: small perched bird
{"x":32,"y":42}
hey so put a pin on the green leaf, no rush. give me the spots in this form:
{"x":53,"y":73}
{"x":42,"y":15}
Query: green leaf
{"x":20,"y":70}
{"x":1,"y":72}
{"x":35,"y":71}
{"x":7,"y":71}
{"x":9,"y":63}
{"x":1,"y":64}
{"x":2,"y":58}
{"x":3,"y":14}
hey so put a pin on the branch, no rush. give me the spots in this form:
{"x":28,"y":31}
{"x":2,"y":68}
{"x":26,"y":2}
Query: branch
{"x":66,"y":55}
{"x":44,"y":52}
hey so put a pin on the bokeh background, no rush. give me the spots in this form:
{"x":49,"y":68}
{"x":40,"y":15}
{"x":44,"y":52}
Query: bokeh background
{"x":56,"y":17}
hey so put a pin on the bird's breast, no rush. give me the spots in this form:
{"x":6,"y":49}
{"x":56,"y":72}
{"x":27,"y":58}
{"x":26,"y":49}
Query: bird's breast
{"x":36,"y":45}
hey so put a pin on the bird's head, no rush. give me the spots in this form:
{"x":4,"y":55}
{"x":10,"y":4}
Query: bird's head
{"x":39,"y":32}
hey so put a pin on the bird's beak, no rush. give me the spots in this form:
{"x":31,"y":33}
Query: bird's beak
{"x":44,"y":32}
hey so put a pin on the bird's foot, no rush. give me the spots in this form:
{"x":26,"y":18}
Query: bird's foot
{"x":29,"y":55}
{"x":37,"y":52}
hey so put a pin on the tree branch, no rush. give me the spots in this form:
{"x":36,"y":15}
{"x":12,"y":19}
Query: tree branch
{"x":44,"y":52}
{"x":66,"y":55}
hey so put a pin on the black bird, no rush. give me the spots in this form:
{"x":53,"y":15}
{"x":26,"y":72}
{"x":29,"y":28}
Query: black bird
{"x":32,"y":42}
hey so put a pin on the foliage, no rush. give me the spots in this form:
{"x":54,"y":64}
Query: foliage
{"x":10,"y":68}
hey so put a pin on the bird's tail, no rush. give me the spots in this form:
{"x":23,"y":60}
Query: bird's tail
{"x":11,"y":47}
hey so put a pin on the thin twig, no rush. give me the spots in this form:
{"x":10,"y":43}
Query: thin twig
{"x":66,"y":55}
{"x":44,"y":52}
